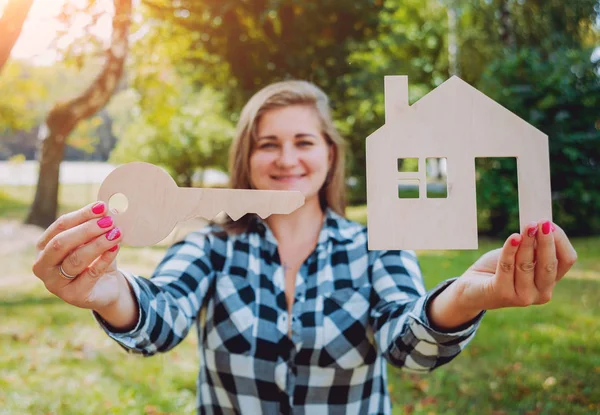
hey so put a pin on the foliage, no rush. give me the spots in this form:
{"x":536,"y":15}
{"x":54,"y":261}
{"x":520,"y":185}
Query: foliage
{"x":188,"y":135}
{"x":559,"y":93}
{"x":245,"y":45}
{"x":170,"y":120}
{"x":412,"y":40}
{"x":21,"y":95}
{"x":31,"y":91}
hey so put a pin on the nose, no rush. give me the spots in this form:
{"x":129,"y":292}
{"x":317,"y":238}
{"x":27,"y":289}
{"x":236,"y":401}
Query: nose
{"x":287,"y":157}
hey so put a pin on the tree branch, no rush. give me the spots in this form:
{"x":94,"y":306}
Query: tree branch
{"x":11,"y":24}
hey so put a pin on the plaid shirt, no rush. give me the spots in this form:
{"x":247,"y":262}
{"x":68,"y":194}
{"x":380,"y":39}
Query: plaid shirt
{"x":354,"y":310}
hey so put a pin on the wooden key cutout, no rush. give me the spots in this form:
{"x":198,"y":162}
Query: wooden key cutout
{"x":156,"y":204}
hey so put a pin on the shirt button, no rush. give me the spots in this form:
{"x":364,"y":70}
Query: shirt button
{"x":282,"y":325}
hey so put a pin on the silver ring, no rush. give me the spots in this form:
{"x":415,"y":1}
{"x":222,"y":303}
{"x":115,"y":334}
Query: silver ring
{"x":64,"y":274}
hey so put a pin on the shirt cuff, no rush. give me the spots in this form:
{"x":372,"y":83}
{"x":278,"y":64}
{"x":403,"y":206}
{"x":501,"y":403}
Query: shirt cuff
{"x":438,"y":334}
{"x":127,"y":339}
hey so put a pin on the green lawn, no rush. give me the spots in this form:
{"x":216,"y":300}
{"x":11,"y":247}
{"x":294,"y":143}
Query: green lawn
{"x":15,"y":200}
{"x":55,"y":360}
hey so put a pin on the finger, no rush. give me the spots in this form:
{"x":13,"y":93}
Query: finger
{"x":80,"y":259}
{"x":69,"y":221}
{"x":99,"y":267}
{"x":80,"y":289}
{"x":55,"y":281}
{"x":546,"y":264}
{"x":565,"y":253}
{"x":64,"y":243}
{"x":525,"y":260}
{"x":505,"y":270}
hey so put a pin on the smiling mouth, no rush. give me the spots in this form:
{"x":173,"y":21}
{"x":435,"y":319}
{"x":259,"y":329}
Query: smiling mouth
{"x":288,"y":177}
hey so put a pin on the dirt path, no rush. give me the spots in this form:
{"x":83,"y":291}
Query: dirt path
{"x":15,"y":236}
{"x":17,"y":252}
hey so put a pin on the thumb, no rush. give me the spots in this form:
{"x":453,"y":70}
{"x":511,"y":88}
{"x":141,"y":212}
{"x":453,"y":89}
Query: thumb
{"x":488,"y":262}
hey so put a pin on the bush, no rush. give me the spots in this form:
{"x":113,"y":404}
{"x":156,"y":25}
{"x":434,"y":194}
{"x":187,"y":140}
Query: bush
{"x":559,"y":93}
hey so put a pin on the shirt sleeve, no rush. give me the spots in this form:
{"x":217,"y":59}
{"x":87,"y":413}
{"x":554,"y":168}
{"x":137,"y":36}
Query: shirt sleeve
{"x":170,"y":300}
{"x":402,"y":330}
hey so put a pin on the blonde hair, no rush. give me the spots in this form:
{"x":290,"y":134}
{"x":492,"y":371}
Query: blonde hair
{"x":278,"y":95}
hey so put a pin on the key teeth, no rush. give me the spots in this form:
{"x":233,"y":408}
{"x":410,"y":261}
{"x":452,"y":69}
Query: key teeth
{"x":235,"y":215}
{"x":261,"y":214}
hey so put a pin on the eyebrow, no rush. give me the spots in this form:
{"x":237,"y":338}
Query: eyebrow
{"x":274,"y":137}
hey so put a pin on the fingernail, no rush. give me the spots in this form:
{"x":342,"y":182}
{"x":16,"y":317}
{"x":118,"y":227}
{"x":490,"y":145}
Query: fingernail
{"x":553,"y":228}
{"x":546,"y":227}
{"x":105,"y":222}
{"x":532,"y":231}
{"x":114,"y":248}
{"x":98,"y":208}
{"x":515,"y":241}
{"x":113,"y":234}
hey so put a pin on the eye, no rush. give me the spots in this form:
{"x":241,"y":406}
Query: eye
{"x":305,"y":143}
{"x":266,"y":146}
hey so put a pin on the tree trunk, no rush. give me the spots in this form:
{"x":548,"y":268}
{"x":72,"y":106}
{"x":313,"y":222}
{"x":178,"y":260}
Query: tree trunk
{"x":507,"y":34}
{"x":11,"y":24}
{"x":63,"y":118}
{"x":452,"y":11}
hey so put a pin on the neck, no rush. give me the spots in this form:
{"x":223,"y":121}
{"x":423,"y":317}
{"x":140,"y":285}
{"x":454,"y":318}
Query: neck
{"x":301,"y":225}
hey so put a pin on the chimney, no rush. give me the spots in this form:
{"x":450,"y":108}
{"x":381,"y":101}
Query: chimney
{"x":396,"y":95}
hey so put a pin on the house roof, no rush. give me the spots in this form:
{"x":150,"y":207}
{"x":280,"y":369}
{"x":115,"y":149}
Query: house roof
{"x":454,"y":87}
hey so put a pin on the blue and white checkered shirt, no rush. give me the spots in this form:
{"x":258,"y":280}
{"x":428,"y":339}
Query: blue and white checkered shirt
{"x":354,"y":310}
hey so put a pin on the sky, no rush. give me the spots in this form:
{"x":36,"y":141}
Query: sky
{"x":41,"y":28}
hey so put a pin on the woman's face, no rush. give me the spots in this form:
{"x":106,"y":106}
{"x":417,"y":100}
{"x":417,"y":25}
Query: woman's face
{"x":290,"y":153}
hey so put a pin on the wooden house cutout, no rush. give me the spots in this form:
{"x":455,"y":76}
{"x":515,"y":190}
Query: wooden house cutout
{"x":457,"y":122}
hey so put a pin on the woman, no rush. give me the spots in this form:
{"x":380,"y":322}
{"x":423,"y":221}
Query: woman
{"x":298,"y":315}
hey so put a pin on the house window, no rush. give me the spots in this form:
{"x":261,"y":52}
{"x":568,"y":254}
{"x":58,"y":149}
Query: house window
{"x":437,"y":178}
{"x":430,"y":171}
{"x":408,"y":165}
{"x":408,"y":189}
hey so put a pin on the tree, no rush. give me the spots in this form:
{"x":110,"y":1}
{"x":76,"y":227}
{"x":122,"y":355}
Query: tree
{"x":166,"y":118}
{"x":559,"y":93}
{"x":184,"y":131}
{"x":20,"y":92}
{"x":259,"y":42}
{"x":11,"y":24}
{"x":543,"y":72}
{"x":64,"y":117}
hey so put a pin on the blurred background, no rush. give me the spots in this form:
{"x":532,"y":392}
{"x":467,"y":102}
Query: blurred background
{"x":86,"y":85}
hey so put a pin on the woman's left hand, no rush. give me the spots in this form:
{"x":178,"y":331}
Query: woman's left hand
{"x":521,"y":273}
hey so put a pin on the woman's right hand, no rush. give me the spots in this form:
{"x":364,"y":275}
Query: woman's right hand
{"x":85,"y":244}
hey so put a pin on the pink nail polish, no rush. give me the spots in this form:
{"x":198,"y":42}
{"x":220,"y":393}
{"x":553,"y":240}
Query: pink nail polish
{"x":113,"y":234}
{"x":532,"y":231}
{"x":515,"y":241}
{"x":105,"y":222}
{"x":114,"y":248}
{"x":98,"y":208}
{"x":553,"y":228}
{"x":546,"y":228}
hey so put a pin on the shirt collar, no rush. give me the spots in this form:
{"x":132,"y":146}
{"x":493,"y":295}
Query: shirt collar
{"x":335,"y":227}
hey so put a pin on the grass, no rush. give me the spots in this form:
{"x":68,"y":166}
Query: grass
{"x":55,"y":360}
{"x":15,"y":200}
